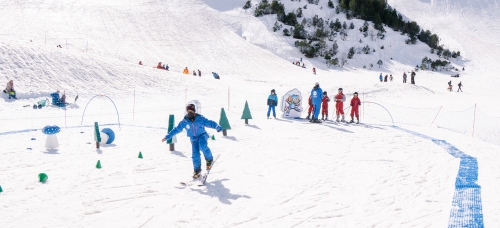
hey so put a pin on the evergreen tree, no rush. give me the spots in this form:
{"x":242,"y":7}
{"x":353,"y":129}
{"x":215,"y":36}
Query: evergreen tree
{"x":351,"y":26}
{"x":379,"y":63}
{"x":352,"y":5}
{"x":344,"y":25}
{"x":330,"y":4}
{"x":299,"y":12}
{"x":351,"y":53}
{"x":286,"y":32}
{"x":299,"y":32}
{"x":247,"y":5}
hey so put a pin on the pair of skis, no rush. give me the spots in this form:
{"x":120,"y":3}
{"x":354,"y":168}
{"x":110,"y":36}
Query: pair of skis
{"x":202,"y":180}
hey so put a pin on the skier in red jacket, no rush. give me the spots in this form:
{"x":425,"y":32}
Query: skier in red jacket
{"x":339,"y":106}
{"x":311,"y":107}
{"x":355,"y":103}
{"x":324,"y":106}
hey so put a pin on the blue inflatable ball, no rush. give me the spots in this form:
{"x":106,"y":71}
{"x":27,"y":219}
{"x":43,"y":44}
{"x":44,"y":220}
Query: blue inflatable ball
{"x":110,"y":133}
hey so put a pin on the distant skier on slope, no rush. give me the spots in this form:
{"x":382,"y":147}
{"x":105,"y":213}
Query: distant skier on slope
{"x":413,"y":77}
{"x":314,"y":69}
{"x":355,"y":103}
{"x":195,"y":126}
{"x":339,"y":106}
{"x":272,"y":102}
{"x":404,"y":77}
{"x":324,"y":106}
{"x":316,"y":93}
{"x":186,"y":71}
{"x":381,"y":77}
{"x":460,"y":87}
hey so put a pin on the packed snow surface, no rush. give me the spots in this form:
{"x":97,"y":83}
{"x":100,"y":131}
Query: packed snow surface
{"x":421,"y":156}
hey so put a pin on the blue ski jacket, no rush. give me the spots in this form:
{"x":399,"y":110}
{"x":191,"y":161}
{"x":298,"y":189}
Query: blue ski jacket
{"x":317,"y":96}
{"x":272,"y":100}
{"x":194,"y":128}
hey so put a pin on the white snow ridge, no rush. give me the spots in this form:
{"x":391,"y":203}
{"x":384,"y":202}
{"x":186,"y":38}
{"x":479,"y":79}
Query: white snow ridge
{"x":421,"y":156}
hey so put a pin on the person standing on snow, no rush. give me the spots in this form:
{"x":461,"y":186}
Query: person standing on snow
{"x":272,"y":102}
{"x":404,"y":77}
{"x":339,"y":106}
{"x":413,"y":77}
{"x":195,"y":126}
{"x":194,"y":73}
{"x":460,"y":87}
{"x":199,"y":73}
{"x":390,"y":78}
{"x":314,"y":70}
{"x":381,"y":77}
{"x":355,"y":103}
{"x":316,"y":93}
{"x":9,"y":89}
{"x":385,"y":78}
{"x":311,"y":108}
{"x":324,"y":106}
{"x":186,"y":71}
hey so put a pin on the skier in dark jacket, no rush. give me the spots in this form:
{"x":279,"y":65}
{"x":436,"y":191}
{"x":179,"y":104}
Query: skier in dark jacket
{"x":195,"y":127}
{"x":272,"y":102}
{"x":385,"y":78}
{"x":404,"y":77}
{"x":413,"y":77}
{"x":460,"y":87}
{"x":316,"y":94}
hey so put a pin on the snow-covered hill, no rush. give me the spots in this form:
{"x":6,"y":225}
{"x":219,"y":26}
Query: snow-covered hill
{"x":271,"y":173}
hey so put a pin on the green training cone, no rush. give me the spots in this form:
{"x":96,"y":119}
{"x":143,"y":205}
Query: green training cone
{"x":213,"y":137}
{"x":1,"y":189}
{"x":140,"y":154}
{"x":98,"y":164}
{"x":43,"y":177}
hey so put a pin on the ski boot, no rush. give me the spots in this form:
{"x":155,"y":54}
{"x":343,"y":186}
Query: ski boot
{"x":352,"y":121}
{"x":322,"y":116}
{"x":197,"y":173}
{"x":308,"y":116}
{"x":326,"y":117}
{"x":209,"y":163}
{"x":337,"y":119}
{"x":343,"y":120}
{"x":357,"y":120}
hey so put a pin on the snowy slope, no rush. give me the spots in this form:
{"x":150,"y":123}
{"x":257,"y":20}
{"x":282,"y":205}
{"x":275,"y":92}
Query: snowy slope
{"x":271,"y":173}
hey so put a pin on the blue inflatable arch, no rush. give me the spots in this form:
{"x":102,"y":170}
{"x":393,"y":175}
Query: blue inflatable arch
{"x":111,"y":102}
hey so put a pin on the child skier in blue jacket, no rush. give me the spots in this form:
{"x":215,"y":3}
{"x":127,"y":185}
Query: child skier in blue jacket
{"x":195,"y":126}
{"x":272,"y":102}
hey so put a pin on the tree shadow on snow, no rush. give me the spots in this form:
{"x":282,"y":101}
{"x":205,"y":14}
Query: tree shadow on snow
{"x":231,"y":138}
{"x":253,"y":126}
{"x":217,"y":189}
{"x":283,"y":120}
{"x":178,"y":153}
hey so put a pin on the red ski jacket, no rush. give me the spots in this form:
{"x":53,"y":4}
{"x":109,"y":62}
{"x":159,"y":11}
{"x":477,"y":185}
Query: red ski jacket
{"x":355,"y":102}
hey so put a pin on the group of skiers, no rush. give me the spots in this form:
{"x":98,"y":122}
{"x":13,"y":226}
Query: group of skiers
{"x":319,"y":98}
{"x":450,"y":86}
{"x":318,"y":101}
{"x":384,"y":79}
{"x":9,"y":90}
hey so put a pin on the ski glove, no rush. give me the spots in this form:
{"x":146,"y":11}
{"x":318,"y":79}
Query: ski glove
{"x":218,"y":128}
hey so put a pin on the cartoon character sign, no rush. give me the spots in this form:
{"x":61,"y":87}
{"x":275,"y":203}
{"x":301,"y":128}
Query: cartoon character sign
{"x":291,"y":104}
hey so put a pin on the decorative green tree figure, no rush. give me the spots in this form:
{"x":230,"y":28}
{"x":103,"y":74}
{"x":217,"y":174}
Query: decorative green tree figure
{"x":224,"y":122}
{"x":171,"y":125}
{"x":246,"y":113}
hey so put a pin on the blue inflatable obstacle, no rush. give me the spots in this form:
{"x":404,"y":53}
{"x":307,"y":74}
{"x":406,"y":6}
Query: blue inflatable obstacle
{"x":107,"y":136}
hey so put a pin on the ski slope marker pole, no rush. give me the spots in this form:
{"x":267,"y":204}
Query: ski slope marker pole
{"x":436,"y":116}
